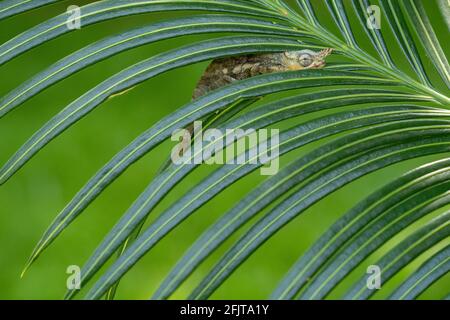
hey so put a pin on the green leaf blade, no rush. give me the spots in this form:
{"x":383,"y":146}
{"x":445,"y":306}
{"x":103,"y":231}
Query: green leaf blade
{"x":226,"y":175}
{"x":111,"y":9}
{"x":375,"y":234}
{"x":355,"y":220}
{"x":337,"y":10}
{"x":430,"y":41}
{"x":374,"y":34}
{"x":429,"y":272}
{"x":406,"y":251}
{"x":121,"y":266}
{"x":131,"y":39}
{"x":262,"y":230}
{"x":404,"y":38}
{"x":9,"y":8}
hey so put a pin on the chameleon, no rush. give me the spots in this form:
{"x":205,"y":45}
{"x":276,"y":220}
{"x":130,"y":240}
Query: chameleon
{"x":223,"y":71}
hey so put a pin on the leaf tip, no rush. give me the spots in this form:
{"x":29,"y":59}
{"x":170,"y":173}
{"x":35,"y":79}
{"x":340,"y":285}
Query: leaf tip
{"x":30,"y":261}
{"x":25,"y":269}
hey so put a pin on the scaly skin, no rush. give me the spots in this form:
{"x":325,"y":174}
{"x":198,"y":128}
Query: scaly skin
{"x":224,"y":71}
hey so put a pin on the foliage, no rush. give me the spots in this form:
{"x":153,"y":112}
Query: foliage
{"x":403,"y":114}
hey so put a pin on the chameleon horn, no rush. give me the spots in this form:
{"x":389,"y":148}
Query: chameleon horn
{"x":325,"y":52}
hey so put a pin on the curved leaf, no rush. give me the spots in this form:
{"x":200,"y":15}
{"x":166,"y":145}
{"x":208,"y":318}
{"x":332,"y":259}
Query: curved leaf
{"x":212,"y":122}
{"x":429,"y":272}
{"x":110,"y":9}
{"x":374,"y":34}
{"x":134,"y":75}
{"x":134,"y":38}
{"x":279,"y":110}
{"x":10,"y":8}
{"x":396,"y":133}
{"x":375,"y":234}
{"x":406,"y":251}
{"x":246,"y":209}
{"x":252,"y":87}
{"x":226,"y":175}
{"x":140,"y":246}
{"x":337,"y":10}
{"x":296,"y":204}
{"x":307,"y":9}
{"x":430,"y":42}
{"x":404,"y":38}
{"x":445,"y":11}
{"x":355,"y":220}
{"x":351,"y":51}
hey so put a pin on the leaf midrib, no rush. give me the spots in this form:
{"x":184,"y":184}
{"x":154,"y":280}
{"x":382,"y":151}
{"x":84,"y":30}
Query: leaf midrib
{"x":361,"y":56}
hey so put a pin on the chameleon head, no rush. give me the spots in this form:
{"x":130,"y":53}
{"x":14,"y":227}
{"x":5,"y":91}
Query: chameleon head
{"x":307,"y":59}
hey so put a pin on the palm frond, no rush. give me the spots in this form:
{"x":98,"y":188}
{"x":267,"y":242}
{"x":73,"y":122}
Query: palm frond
{"x":421,"y":240}
{"x":339,"y":15}
{"x":132,"y":39}
{"x":9,"y":8}
{"x":431,"y":271}
{"x":111,"y":9}
{"x":402,"y":196}
{"x":215,"y":183}
{"x":427,"y":36}
{"x":374,"y":34}
{"x":399,"y":117}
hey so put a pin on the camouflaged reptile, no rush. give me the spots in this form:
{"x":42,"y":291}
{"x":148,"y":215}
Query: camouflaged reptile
{"x":224,"y":71}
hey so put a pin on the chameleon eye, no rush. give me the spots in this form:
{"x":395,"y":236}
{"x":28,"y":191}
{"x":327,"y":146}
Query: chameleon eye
{"x":305,"y":60}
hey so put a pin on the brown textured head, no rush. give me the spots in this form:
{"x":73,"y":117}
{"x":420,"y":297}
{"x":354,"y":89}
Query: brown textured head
{"x":306,"y":59}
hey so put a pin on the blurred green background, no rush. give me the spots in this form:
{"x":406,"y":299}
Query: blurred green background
{"x":30,"y":201}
